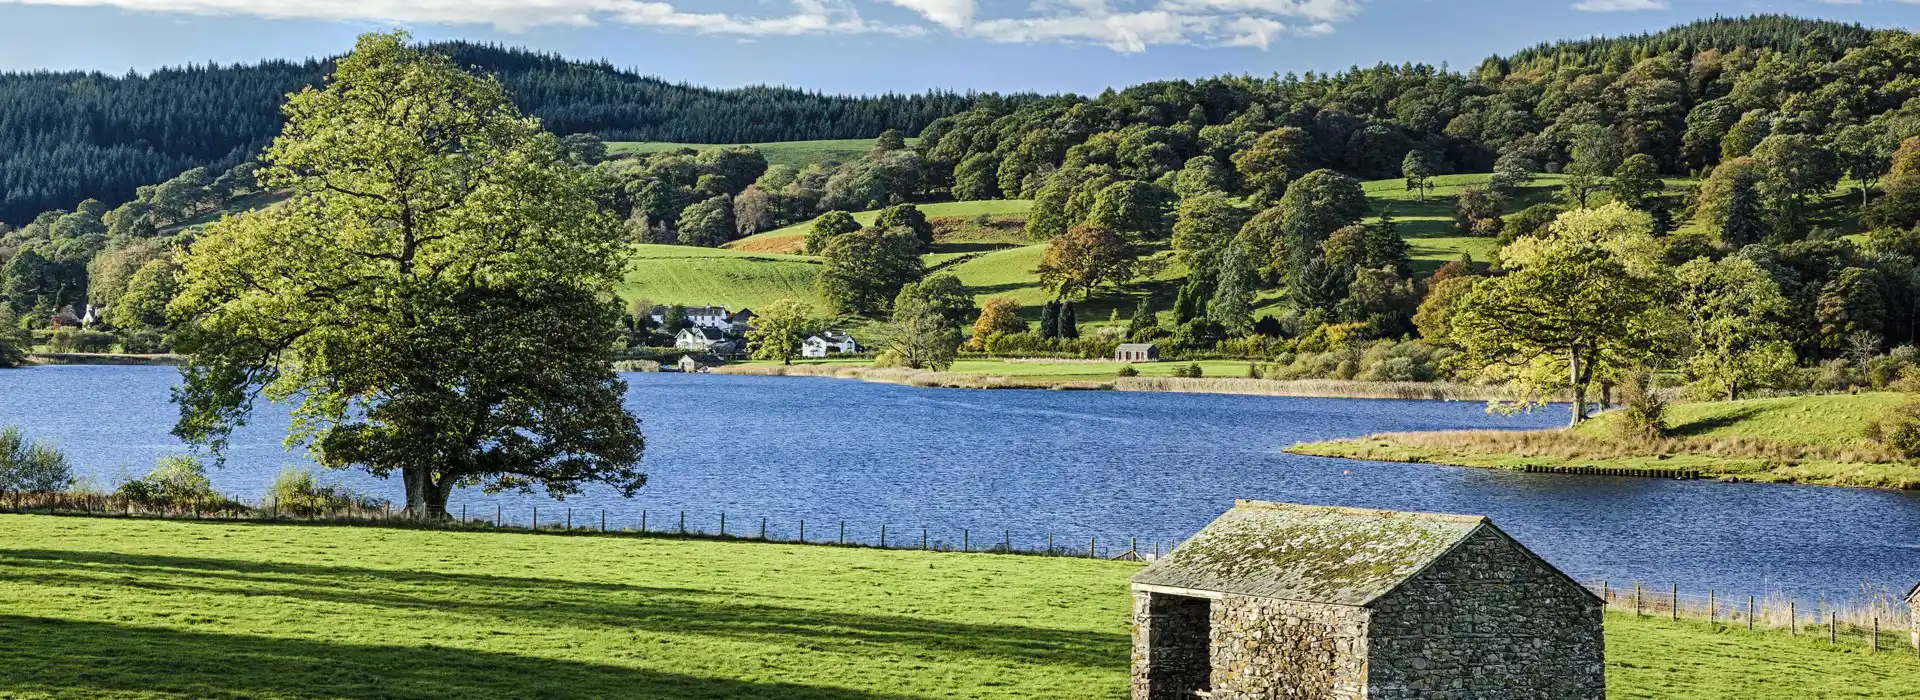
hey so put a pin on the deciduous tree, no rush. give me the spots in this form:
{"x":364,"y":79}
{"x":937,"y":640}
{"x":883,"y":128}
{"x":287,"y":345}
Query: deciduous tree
{"x":1087,"y":257}
{"x":779,"y":329}
{"x":1733,"y":310}
{"x":431,"y":294}
{"x":865,"y":269}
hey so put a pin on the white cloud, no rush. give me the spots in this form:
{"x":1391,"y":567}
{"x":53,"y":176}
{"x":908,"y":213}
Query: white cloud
{"x":1619,"y":5}
{"x":952,"y":14}
{"x":803,"y":17}
{"x":1141,"y":25}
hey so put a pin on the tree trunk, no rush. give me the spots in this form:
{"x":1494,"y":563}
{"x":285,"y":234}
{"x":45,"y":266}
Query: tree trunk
{"x":426,"y":499}
{"x":1579,"y":387}
{"x":1733,"y":390}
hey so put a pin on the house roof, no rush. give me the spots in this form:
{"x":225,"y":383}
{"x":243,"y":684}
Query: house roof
{"x":1135,"y":347}
{"x":1318,"y":554}
{"x":705,"y":332}
{"x":832,"y":338}
{"x":1913,"y":596}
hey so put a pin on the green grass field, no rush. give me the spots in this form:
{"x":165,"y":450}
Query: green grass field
{"x":794,"y":153}
{"x":157,"y":609}
{"x":666,"y":274}
{"x":1802,"y":439}
{"x":1834,"y":421}
{"x":788,"y":237}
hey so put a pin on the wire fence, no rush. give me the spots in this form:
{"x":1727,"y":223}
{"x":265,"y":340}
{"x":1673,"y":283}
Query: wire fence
{"x":1876,"y":620}
{"x":568,"y":520}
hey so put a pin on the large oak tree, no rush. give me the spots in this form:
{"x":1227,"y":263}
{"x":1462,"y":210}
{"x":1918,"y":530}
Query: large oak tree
{"x":433,"y":296}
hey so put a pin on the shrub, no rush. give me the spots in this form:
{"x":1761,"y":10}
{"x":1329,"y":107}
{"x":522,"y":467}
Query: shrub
{"x":1191,"y":371}
{"x":298,"y":492}
{"x":1129,"y":371}
{"x":37,"y":467}
{"x":1643,"y":414}
{"x":77,"y":340}
{"x":146,"y":343}
{"x":178,"y":481}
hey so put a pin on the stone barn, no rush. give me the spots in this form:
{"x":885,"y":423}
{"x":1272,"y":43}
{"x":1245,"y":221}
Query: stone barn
{"x":1274,"y":600}
{"x":1913,"y":614}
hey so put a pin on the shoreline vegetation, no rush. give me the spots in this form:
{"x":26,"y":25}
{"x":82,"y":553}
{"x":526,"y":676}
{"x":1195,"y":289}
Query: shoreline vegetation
{"x":1039,"y":377}
{"x":1814,"y":440}
{"x":714,"y":618}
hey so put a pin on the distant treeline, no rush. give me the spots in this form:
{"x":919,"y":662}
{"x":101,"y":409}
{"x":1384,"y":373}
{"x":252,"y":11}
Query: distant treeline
{"x":71,"y":136}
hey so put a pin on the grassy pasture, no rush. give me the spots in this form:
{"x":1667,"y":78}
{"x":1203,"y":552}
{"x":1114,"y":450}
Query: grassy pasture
{"x":156,"y":609}
{"x":795,"y":153}
{"x":700,"y":276}
{"x":790,"y":238}
{"x":1802,"y":439}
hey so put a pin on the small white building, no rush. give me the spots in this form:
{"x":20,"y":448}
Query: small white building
{"x":698,"y":339}
{"x":827,"y":344}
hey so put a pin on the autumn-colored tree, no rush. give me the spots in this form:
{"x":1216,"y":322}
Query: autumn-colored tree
{"x":998,"y":315}
{"x":1085,"y":257}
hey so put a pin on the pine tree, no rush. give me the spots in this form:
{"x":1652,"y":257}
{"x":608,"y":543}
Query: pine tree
{"x":1066,"y":323}
{"x":1049,"y":320}
{"x":1746,"y":216}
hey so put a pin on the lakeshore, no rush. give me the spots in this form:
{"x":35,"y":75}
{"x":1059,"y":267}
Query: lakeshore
{"x":1218,"y":377}
{"x":1815,"y":440}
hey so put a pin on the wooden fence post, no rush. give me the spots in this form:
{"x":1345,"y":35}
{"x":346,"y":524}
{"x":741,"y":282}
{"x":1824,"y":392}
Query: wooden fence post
{"x":603,"y":520}
{"x":1874,"y":646}
{"x":1676,"y":602}
{"x":1793,"y":617}
{"x":803,"y":532}
{"x":643,"y":520}
{"x":1833,"y":628}
{"x":883,"y":535}
{"x":1092,"y":553}
{"x":1749,"y":612}
{"x":536,"y":517}
{"x":569,"y":518}
{"x":499,"y":515}
{"x":1710,"y":610}
{"x":763,"y":528}
{"x":1636,"y":599}
{"x":723,"y":523}
{"x":1006,"y":540}
{"x":843,"y":532}
{"x":966,"y":541}
{"x":683,"y":522}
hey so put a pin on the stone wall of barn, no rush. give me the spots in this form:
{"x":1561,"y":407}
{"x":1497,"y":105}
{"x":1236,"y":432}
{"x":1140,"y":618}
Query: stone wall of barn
{"x":1272,"y":649}
{"x":1487,"y":622}
{"x":1169,"y":646}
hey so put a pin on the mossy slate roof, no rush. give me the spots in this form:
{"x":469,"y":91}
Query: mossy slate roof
{"x":1315,"y":554}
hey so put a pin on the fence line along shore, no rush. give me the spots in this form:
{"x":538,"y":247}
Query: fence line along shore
{"x":1878,"y":621}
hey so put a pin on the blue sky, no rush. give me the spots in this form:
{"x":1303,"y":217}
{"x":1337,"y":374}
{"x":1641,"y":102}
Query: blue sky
{"x":866,"y":46}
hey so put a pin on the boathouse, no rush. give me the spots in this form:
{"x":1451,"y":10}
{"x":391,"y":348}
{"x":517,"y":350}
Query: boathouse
{"x":1274,"y":600}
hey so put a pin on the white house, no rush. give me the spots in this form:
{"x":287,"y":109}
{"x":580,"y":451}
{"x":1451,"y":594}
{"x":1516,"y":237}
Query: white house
{"x":715,"y":317}
{"x":828,"y":344}
{"x":698,"y":339}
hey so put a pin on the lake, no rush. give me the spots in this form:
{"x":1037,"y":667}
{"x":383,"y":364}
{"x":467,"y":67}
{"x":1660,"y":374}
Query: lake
{"x":1109,"y":465}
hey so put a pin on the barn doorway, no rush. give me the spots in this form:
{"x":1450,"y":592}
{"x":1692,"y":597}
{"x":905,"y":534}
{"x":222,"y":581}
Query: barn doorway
{"x":1180,"y":662}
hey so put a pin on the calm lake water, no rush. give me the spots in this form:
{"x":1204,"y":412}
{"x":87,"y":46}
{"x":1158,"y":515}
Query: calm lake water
{"x":1079,"y":464}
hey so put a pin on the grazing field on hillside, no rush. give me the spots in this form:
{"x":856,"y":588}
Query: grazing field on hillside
{"x":1802,"y":439}
{"x":665,"y":274}
{"x":791,"y":238}
{"x":129,"y":608}
{"x":794,"y":153}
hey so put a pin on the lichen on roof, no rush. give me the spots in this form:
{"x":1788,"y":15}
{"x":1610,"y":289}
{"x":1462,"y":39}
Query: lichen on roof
{"x":1319,"y":554}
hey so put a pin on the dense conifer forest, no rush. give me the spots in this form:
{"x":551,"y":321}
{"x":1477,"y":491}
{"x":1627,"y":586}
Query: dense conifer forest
{"x":66,"y":137}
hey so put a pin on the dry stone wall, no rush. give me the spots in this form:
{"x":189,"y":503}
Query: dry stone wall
{"x":1268,"y":649}
{"x":1487,"y":622}
{"x":1169,"y":646}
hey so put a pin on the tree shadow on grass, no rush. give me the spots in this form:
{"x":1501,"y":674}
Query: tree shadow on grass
{"x":44,"y":656}
{"x":572,"y":604}
{"x":1707,"y":425}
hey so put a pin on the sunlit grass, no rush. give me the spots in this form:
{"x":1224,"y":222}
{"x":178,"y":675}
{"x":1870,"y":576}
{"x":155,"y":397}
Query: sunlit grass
{"x":156,"y":609}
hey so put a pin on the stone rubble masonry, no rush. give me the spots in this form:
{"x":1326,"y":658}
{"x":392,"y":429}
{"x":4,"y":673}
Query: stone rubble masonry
{"x":1487,"y":621}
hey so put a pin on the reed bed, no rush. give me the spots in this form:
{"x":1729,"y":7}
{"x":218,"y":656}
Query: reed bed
{"x":913,"y":377}
{"x":1567,"y":444}
{"x":1316,"y":388}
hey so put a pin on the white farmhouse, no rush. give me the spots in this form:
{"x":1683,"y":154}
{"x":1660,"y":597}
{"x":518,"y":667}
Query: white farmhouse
{"x":715,"y":317}
{"x":826,"y":344}
{"x":698,"y":339}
